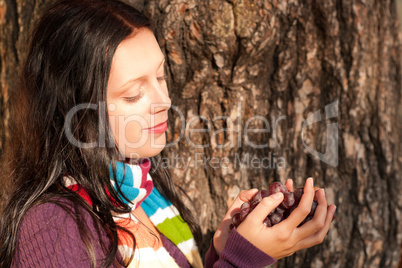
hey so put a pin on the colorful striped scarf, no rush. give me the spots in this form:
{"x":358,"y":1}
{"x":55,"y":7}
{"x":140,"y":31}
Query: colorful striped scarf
{"x":135,"y":182}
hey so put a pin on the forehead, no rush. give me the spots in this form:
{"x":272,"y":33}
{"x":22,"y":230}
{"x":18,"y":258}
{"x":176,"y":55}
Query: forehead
{"x":134,"y":51}
{"x":136,"y":56}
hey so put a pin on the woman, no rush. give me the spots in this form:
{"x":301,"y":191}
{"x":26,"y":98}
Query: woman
{"x":89,"y":114}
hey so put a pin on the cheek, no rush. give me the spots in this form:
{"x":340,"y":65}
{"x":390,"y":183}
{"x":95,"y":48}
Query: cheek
{"x":126,"y":129}
{"x":131,"y":141}
{"x":132,"y":131}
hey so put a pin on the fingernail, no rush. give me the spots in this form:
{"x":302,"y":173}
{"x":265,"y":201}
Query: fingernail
{"x":277,"y":195}
{"x":333,"y":209}
{"x":333,"y":213}
{"x":311,"y":181}
{"x":323,"y":192}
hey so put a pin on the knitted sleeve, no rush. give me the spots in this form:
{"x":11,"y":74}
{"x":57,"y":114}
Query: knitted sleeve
{"x":49,"y":237}
{"x":238,"y":252}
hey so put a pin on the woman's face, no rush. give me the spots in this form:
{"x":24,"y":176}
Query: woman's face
{"x":137,"y":96}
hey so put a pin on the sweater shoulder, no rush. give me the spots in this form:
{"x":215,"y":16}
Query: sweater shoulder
{"x":55,"y":219}
{"x":49,"y":235}
{"x":50,"y":215}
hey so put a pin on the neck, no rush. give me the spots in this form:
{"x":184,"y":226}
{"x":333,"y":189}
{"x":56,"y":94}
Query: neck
{"x":133,"y":161}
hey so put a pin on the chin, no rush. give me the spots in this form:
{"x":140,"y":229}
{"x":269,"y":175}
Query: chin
{"x":143,"y":154}
{"x":151,"y":153}
{"x":146,"y":150}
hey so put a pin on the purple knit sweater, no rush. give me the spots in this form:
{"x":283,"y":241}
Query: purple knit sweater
{"x":49,"y":237}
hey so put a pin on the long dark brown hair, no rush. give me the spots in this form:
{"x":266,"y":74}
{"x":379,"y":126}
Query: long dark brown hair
{"x":68,"y":64}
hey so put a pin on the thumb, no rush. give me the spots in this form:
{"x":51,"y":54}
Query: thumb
{"x":267,"y":204}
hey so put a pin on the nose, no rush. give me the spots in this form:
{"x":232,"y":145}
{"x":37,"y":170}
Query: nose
{"x":162,"y":102}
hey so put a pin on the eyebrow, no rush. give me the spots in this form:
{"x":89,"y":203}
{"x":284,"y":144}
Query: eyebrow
{"x":132,"y":80}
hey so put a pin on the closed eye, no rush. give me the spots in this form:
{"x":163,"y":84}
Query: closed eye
{"x":135,"y":98}
{"x":162,"y":78}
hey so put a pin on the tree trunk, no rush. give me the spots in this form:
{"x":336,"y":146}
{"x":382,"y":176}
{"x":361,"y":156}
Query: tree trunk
{"x":248,"y":82}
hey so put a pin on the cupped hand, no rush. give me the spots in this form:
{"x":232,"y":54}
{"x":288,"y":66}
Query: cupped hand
{"x":222,"y":233}
{"x":285,"y":238}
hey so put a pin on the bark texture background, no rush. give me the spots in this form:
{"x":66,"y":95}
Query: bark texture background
{"x":238,"y":65}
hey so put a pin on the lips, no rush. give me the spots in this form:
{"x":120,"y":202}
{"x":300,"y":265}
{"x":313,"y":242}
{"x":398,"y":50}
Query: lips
{"x":160,"y":128}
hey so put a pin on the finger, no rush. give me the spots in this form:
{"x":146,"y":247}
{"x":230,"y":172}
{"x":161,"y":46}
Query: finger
{"x":243,"y":197}
{"x":267,"y":204}
{"x":319,"y":236}
{"x":289,"y":185}
{"x":304,"y":207}
{"x":318,"y":221}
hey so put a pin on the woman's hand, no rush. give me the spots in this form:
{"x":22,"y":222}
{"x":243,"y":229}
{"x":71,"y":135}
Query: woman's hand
{"x":222,"y":233}
{"x":285,"y":238}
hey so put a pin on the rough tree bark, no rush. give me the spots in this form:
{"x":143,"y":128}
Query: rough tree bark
{"x":239,"y":65}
